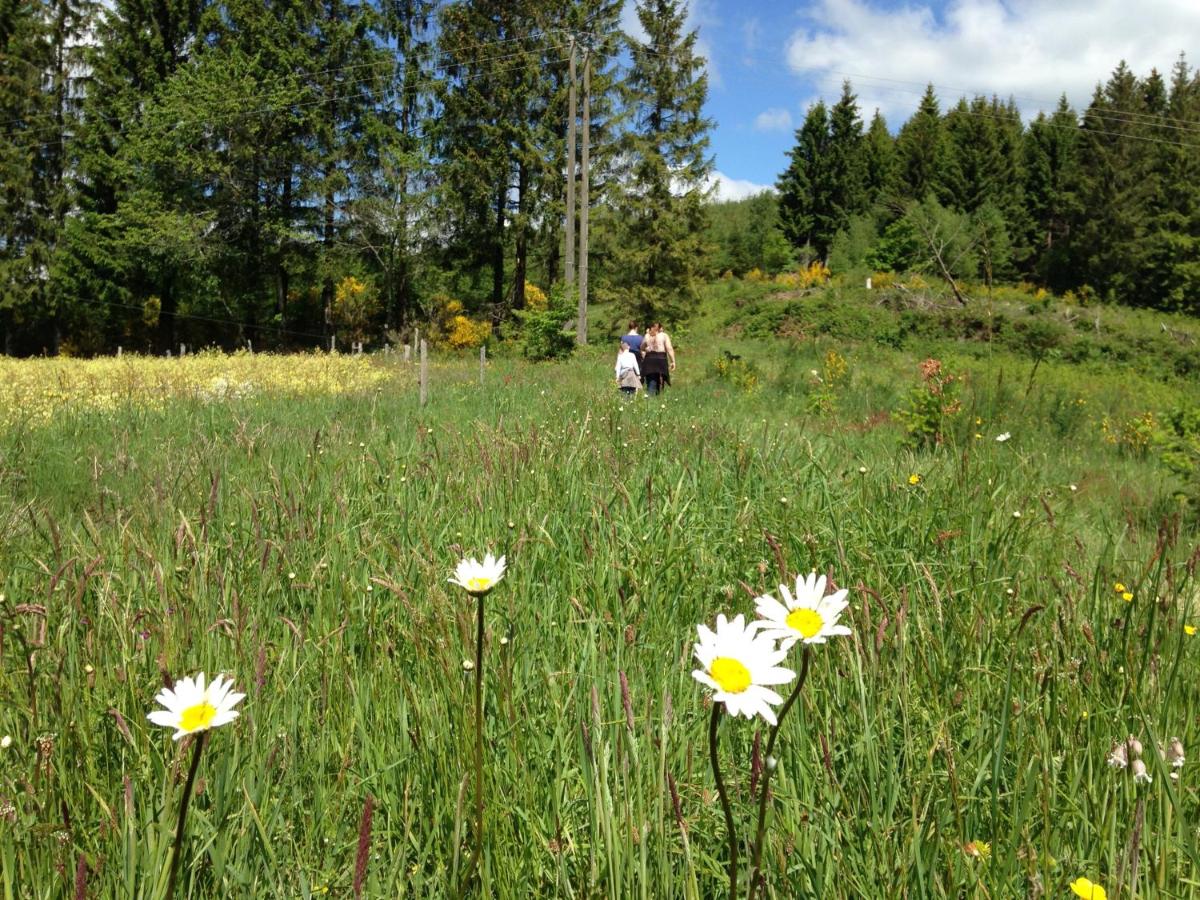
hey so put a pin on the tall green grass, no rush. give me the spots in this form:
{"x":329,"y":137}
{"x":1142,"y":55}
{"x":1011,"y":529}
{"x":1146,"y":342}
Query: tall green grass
{"x":304,"y":548}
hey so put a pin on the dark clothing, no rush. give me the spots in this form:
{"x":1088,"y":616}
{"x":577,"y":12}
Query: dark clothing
{"x":656,"y":370}
{"x":634,"y":341}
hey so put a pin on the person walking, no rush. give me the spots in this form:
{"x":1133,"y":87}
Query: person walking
{"x":628,"y":371}
{"x":658,"y":359}
{"x":633,"y":339}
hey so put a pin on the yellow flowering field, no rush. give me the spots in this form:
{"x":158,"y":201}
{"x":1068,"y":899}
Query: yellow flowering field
{"x":35,"y":390}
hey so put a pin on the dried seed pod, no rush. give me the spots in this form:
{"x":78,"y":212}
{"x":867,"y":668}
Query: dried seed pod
{"x":1175,"y":757}
{"x":1118,"y":756}
{"x":1140,"y":775}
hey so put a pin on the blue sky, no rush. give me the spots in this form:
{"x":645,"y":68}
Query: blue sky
{"x":769,"y":60}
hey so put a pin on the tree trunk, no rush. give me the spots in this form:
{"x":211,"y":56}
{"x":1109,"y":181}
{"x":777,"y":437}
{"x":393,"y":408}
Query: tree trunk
{"x":522,"y":236}
{"x":498,"y":258}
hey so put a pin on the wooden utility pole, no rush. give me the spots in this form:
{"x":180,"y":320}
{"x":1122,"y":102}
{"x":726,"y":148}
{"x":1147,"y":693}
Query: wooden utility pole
{"x":584,"y":202}
{"x":571,"y":115}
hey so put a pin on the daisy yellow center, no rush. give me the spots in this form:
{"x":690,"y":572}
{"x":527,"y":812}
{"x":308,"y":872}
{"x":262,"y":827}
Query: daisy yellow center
{"x":197,"y":717}
{"x":806,"y":621}
{"x":731,"y":675}
{"x":479,"y":584}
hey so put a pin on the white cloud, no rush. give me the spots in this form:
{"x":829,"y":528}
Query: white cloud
{"x":734,"y":188}
{"x":1028,"y":49}
{"x":773,"y":119}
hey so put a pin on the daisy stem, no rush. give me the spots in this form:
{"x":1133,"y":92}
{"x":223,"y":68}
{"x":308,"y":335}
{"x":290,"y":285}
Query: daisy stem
{"x":477,"y":850}
{"x":716,"y":767}
{"x":760,"y":837}
{"x":183,"y":811}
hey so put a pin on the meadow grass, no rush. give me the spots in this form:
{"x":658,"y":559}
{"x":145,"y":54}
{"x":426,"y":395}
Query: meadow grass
{"x":300,"y":541}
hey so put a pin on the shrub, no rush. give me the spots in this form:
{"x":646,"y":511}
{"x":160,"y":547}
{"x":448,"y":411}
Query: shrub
{"x":740,"y":373}
{"x":931,"y":406}
{"x":1178,"y":444}
{"x":542,"y":331}
{"x":463,"y":333}
{"x":355,"y":305}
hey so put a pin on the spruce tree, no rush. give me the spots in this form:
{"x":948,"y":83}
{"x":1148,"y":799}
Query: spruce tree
{"x":1117,"y":183}
{"x":1051,"y":173}
{"x":804,"y":185}
{"x":662,"y":212}
{"x":1172,"y":266}
{"x":879,"y":161}
{"x":924,"y":161}
{"x":24,"y":57}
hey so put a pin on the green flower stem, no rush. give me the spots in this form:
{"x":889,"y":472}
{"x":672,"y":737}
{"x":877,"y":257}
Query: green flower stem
{"x":716,"y":767}
{"x":477,"y":850}
{"x":760,"y":837}
{"x":183,"y":811}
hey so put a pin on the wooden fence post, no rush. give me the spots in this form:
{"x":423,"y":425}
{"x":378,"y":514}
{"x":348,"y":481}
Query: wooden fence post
{"x":424,"y":374}
{"x":482,"y":362}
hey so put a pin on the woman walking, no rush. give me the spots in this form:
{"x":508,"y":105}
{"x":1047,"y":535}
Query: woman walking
{"x":658,"y":359}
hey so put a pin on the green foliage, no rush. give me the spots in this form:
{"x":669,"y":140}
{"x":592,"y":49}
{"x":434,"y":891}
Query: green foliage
{"x":543,"y":334}
{"x":739,"y":372}
{"x":931,"y":407}
{"x":657,"y":257}
{"x":745,"y":234}
{"x":1178,"y":446}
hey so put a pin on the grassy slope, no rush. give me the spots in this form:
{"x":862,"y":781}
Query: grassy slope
{"x":623,"y":527}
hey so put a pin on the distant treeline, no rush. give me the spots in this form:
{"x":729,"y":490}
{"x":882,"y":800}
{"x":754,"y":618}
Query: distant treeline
{"x":223,"y":171}
{"x":1106,"y":205}
{"x":196,"y":171}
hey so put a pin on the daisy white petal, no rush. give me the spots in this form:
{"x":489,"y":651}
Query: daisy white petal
{"x":477,"y":577}
{"x":739,"y":660}
{"x":809,"y":616}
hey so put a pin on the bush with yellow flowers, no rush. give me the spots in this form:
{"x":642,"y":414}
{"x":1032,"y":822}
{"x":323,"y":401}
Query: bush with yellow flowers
{"x":1132,"y":435}
{"x":355,"y":306}
{"x":464,"y":333}
{"x":535,"y":298}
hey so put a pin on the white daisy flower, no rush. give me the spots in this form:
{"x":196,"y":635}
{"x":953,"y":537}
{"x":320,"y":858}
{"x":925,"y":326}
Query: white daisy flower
{"x":739,"y":663}
{"x":809,"y":616}
{"x":191,"y":706}
{"x":477,"y":577}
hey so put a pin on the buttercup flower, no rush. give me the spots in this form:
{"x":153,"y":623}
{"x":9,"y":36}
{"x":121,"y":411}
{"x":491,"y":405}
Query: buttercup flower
{"x":192,"y":706}
{"x":1089,"y":890}
{"x":477,"y":577}
{"x":740,"y":664}
{"x":809,"y":616}
{"x":1189,"y":630}
{"x":914,"y":478}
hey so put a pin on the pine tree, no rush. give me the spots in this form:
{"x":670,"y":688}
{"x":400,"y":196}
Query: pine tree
{"x":924,"y":162}
{"x":1051,"y":173}
{"x":1108,"y":237}
{"x":879,"y":161}
{"x":138,"y":47}
{"x":492,"y":125}
{"x":24,"y":56}
{"x":662,"y":212}
{"x":845,"y":169}
{"x":1172,"y":268}
{"x":803,"y":186}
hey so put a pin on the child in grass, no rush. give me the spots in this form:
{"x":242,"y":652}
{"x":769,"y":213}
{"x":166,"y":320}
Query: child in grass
{"x":629,"y":375}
